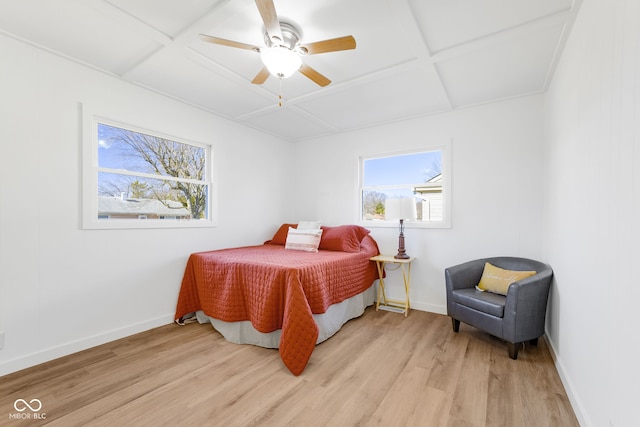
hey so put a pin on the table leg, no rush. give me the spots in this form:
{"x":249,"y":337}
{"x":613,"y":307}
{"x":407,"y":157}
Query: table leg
{"x":381,"y":292}
{"x":406,"y":278}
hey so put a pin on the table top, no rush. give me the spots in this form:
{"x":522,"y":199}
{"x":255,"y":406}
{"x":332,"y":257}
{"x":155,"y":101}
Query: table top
{"x":391,"y":258}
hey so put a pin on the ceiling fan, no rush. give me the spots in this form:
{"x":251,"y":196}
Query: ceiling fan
{"x":282,"y":54}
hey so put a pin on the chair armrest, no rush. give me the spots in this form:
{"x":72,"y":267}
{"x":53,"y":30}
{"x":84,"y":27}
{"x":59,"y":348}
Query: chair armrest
{"x":463,"y":276}
{"x":526,"y":307}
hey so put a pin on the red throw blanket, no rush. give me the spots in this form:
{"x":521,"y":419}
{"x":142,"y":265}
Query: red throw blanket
{"x":276,"y":288}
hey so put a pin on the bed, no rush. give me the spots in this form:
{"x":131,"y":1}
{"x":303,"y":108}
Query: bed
{"x":280,"y":294}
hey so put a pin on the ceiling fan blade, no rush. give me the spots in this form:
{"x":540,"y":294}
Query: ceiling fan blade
{"x":270,"y":18}
{"x":230,"y":43}
{"x":331,"y":45}
{"x":261,"y":77}
{"x":314,"y":75}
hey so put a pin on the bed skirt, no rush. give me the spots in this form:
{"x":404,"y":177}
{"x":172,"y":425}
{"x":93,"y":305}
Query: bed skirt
{"x":329,"y":322}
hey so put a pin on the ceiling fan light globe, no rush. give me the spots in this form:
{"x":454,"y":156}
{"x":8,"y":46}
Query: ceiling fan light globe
{"x":280,"y":61}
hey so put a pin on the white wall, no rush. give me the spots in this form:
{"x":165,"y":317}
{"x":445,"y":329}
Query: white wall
{"x":591,"y":218}
{"x":62,"y":288}
{"x":496,"y":187}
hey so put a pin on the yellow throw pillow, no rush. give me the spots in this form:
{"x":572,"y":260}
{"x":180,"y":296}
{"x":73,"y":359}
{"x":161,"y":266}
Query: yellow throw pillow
{"x":497,"y":280}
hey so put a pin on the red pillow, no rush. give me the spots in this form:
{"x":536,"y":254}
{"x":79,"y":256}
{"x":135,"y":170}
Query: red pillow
{"x":344,"y":238}
{"x":280,"y":238}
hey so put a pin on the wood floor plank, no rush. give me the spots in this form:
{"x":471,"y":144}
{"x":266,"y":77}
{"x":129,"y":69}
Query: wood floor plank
{"x":470,"y":396}
{"x":379,"y":369}
{"x":411,"y":402}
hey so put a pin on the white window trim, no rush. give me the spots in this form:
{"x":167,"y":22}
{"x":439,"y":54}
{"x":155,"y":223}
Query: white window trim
{"x":446,"y":148}
{"x":90,"y":179}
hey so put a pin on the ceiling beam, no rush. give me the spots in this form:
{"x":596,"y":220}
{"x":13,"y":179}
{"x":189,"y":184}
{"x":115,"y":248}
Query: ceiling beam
{"x":566,"y":30}
{"x":414,"y":36}
{"x":180,"y":40}
{"x":122,"y":17}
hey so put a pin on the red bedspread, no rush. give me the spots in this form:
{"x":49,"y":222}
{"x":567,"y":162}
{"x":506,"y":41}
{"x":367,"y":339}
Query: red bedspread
{"x":275,"y":288}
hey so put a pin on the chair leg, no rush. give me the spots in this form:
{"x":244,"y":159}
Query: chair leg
{"x":513,"y":349}
{"x":456,"y":324}
{"x":534,"y":342}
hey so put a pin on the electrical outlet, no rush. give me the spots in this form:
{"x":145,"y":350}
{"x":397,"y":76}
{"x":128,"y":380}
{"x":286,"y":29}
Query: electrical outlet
{"x":1,"y":340}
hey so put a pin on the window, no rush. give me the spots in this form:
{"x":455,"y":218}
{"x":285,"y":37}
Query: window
{"x":135,"y":178}
{"x":420,"y":175}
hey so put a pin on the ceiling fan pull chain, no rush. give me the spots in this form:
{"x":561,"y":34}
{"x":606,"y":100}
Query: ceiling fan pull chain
{"x":280,"y":94}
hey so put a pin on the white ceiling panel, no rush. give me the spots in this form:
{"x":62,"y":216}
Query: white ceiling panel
{"x":450,"y":23}
{"x":167,"y":16}
{"x":412,"y":57}
{"x":288,"y":124}
{"x":503,"y":70}
{"x":170,"y":73}
{"x":408,"y":93}
{"x":79,"y":30}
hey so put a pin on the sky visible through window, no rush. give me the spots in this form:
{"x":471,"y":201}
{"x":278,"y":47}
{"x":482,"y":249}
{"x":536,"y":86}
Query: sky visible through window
{"x":412,"y":168}
{"x":106,"y":139}
{"x":113,"y":153}
{"x":402,"y":176}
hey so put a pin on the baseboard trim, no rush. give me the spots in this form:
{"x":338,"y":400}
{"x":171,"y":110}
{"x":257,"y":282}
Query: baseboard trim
{"x":431,"y":308}
{"x":576,"y":403}
{"x":33,"y":359}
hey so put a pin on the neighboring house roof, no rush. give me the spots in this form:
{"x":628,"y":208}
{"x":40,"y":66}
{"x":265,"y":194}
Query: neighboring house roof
{"x":423,"y":189}
{"x":122,"y":206}
{"x":437,"y":178}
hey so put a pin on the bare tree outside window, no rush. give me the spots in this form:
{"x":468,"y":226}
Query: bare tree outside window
{"x":137,"y":167}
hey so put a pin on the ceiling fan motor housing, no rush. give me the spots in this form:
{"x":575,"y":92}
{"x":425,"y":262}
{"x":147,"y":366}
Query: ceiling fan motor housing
{"x":290,"y":36}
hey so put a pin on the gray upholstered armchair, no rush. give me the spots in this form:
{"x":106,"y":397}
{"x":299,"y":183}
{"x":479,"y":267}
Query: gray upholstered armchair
{"x":517,"y":317}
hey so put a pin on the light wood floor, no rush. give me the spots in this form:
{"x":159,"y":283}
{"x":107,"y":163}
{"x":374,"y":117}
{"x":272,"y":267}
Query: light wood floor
{"x":380,"y":369}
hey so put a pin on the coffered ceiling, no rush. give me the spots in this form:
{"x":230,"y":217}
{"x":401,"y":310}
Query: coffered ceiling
{"x":413,"y":57}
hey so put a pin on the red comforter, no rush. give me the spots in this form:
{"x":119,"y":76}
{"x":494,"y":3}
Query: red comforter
{"x":275,"y":288}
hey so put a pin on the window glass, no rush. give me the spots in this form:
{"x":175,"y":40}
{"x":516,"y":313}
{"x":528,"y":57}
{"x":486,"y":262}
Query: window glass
{"x":140,"y":179}
{"x":419,"y":176}
{"x":402,"y":169}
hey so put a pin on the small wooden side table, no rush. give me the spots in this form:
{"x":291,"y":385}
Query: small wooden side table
{"x":382,"y":300}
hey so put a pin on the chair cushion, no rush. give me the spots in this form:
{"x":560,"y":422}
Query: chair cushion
{"x":485,"y":302}
{"x":497,"y":280}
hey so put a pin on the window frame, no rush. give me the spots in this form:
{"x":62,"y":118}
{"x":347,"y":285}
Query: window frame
{"x":91,"y":169}
{"x":445,"y":148}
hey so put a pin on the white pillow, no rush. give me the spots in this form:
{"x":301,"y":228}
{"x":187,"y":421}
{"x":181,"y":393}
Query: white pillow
{"x":309,"y":225}
{"x":303,"y":240}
